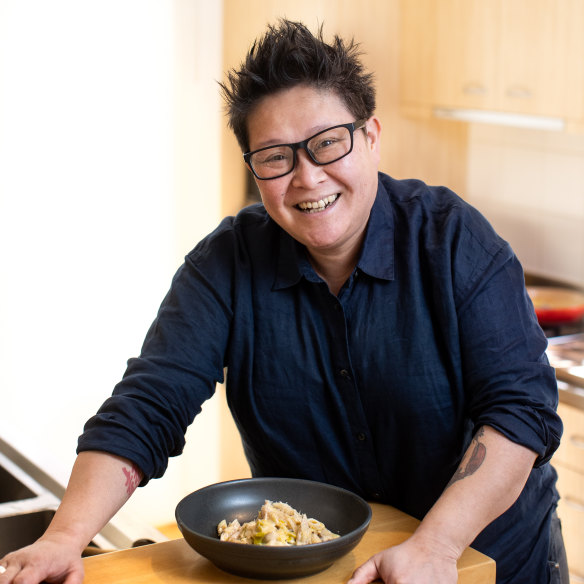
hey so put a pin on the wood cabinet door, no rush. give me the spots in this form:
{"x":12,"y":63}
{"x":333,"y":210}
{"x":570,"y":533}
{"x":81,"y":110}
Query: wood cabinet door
{"x":467,"y":53}
{"x":418,"y":42}
{"x":569,"y":463}
{"x":519,"y":56}
{"x":571,"y":513}
{"x":571,"y":451}
{"x":541,"y":70}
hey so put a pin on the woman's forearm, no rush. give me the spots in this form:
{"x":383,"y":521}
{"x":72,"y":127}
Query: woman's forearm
{"x":488,"y":481}
{"x":99,"y":486}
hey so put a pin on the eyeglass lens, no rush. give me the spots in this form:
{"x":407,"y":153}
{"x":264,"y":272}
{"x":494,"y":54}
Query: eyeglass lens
{"x":324,"y":148}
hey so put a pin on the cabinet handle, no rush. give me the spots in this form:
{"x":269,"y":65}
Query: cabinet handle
{"x":577,"y":441}
{"x":519,"y":92}
{"x":574,"y":503}
{"x":474,"y":89}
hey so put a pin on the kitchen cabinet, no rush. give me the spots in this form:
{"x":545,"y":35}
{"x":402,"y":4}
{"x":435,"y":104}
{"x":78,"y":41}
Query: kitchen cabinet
{"x":569,"y":462}
{"x":514,"y":56}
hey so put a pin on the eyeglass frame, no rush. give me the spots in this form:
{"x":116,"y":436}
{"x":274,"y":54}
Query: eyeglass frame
{"x":303,"y":144}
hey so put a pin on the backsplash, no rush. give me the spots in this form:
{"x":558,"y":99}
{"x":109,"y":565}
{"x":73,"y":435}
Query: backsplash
{"x":530,"y":185}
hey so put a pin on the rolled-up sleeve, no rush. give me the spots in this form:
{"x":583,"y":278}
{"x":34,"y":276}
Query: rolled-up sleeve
{"x":181,"y":361}
{"x":510,"y":384}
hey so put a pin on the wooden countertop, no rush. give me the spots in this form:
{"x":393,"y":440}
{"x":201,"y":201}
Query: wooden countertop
{"x":175,"y":561}
{"x":570,"y":389}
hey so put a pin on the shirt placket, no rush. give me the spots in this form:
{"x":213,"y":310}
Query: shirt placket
{"x":347,"y":384}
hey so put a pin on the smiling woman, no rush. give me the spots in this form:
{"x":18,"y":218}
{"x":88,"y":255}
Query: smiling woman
{"x":323,"y":205}
{"x":362,"y":343}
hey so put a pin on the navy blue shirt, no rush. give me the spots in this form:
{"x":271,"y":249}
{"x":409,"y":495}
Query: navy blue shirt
{"x":379,"y":389}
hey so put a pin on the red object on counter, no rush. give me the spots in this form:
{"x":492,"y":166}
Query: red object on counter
{"x":554,"y":305}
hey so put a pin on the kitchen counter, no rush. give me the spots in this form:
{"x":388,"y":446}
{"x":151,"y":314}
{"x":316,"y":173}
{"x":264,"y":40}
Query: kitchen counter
{"x":174,"y":561}
{"x":566,"y":355}
{"x":569,"y":393}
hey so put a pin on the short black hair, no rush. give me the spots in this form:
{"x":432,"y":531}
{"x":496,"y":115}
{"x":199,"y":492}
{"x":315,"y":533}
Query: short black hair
{"x":287,"y":55}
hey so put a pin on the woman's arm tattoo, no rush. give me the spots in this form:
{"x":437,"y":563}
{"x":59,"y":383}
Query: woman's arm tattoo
{"x":132,"y":478}
{"x":472,"y":460}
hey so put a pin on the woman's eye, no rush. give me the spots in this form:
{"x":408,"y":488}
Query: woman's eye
{"x":275,"y":157}
{"x":325,"y":143}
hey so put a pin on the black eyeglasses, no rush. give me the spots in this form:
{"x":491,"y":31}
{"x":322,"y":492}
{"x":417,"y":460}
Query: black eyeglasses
{"x":323,"y":148}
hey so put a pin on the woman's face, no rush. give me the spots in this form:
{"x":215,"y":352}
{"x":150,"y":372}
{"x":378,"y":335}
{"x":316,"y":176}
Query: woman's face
{"x":347,"y":187}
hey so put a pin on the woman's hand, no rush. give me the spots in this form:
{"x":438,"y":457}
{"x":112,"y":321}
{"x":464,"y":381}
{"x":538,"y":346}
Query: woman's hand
{"x":412,"y":562}
{"x":50,"y":559}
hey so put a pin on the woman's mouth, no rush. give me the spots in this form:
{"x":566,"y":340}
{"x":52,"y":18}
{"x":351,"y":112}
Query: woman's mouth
{"x":317,"y":206}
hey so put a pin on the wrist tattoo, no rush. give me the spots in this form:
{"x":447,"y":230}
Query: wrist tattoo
{"x":472,"y":460}
{"x":132,"y":479}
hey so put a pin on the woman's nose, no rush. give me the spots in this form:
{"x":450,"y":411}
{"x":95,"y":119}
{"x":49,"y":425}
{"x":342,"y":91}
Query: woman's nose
{"x":306,"y":172}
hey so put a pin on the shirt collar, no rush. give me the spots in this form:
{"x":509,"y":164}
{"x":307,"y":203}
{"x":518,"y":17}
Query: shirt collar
{"x":292,"y":263}
{"x":377,"y":256}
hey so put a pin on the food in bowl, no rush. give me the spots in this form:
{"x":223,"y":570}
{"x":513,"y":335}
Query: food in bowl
{"x":342,"y":512}
{"x":276,"y":524}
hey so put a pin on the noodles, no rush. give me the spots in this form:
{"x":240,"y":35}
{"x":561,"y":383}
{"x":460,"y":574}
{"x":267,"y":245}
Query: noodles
{"x":276,"y":524}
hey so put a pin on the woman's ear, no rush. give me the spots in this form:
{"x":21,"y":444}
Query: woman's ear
{"x":373,"y":129}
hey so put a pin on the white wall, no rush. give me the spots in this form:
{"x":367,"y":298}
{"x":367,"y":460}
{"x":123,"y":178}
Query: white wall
{"x":109,"y":173}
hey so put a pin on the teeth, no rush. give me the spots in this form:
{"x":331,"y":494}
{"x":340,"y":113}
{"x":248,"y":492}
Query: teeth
{"x":317,"y":205}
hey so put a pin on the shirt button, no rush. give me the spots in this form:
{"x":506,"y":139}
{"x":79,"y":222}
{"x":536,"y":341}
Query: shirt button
{"x":361,"y":436}
{"x":344,"y":373}
{"x":376,"y":496}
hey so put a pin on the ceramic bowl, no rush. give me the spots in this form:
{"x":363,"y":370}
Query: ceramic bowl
{"x":340,"y":510}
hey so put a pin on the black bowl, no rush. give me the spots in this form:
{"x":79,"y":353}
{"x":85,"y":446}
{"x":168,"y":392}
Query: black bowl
{"x":340,"y":510}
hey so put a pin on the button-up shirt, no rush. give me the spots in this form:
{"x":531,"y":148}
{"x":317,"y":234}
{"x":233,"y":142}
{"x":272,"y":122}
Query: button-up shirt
{"x":378,"y":389}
